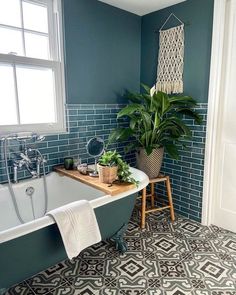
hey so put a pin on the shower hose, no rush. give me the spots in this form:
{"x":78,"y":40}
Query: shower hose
{"x":12,"y":193}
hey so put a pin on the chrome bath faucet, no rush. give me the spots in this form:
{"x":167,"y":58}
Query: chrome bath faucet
{"x":28,"y":163}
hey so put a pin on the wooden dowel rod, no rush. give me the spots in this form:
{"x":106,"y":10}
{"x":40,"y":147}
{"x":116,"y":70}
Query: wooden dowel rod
{"x":157,"y":209}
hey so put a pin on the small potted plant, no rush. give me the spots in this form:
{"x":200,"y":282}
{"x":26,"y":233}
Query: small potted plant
{"x":112,"y":167}
{"x":155,"y":123}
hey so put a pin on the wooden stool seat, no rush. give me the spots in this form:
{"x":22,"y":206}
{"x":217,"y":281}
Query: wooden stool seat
{"x":144,"y":210}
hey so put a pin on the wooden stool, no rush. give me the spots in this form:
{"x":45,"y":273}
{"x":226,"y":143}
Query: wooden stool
{"x":144,"y":196}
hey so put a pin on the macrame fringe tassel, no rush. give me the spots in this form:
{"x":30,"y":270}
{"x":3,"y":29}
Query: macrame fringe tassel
{"x":171,"y":60}
{"x":170,"y":87}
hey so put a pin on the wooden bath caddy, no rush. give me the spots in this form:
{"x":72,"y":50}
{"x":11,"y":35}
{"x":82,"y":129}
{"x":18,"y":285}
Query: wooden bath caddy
{"x":113,"y":190}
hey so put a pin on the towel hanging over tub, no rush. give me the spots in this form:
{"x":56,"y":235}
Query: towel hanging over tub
{"x":78,"y":226}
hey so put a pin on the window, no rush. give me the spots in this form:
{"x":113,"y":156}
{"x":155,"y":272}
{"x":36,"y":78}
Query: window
{"x":31,"y":66}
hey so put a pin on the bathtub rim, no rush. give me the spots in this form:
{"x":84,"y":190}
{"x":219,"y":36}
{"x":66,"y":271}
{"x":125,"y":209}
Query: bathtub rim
{"x":44,"y":221}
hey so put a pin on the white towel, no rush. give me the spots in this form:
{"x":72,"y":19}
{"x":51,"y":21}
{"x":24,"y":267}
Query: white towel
{"x":78,"y":226}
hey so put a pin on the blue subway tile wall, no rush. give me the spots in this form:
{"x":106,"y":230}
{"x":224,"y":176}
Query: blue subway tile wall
{"x":186,"y":174}
{"x":83,"y":122}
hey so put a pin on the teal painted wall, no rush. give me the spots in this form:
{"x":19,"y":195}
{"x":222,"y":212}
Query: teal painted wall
{"x":198,"y":14}
{"x":104,"y":44}
{"x":103,"y":49}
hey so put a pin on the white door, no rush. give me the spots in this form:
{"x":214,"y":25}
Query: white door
{"x":224,"y":174}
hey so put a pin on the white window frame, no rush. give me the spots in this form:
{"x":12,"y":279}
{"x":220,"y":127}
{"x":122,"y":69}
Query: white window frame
{"x":56,"y":63}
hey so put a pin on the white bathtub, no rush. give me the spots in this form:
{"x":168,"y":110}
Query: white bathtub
{"x":61,"y":190}
{"x":26,"y":249}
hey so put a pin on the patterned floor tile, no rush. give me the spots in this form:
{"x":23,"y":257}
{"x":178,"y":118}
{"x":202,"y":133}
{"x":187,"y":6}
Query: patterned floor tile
{"x":172,"y":269}
{"x":84,"y":276}
{"x":205,"y":292}
{"x":65,"y":289}
{"x":166,"y":258}
{"x":153,"y":291}
{"x":176,"y":286}
{"x":158,"y":217}
{"x":226,"y":245}
{"x":201,"y":245}
{"x":102,"y":250}
{"x":210,"y":272}
{"x":166,"y":246}
{"x":160,"y":226}
{"x":189,"y":228}
{"x":131,"y":264}
{"x":21,"y":289}
{"x":220,"y":232}
{"x":111,"y":287}
{"x":135,"y":244}
{"x":133,"y":230}
{"x":87,"y":285}
{"x":48,"y":280}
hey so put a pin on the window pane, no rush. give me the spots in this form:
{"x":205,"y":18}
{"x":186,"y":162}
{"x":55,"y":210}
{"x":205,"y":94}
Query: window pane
{"x":36,"y":95}
{"x":10,"y":13}
{"x":8,"y":114}
{"x":11,"y":41}
{"x":35,"y":17}
{"x":36,"y":46}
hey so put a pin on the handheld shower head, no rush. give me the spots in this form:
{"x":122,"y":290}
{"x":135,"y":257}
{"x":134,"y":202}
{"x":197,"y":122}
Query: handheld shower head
{"x":29,"y":136}
{"x":40,"y":138}
{"x":24,"y":135}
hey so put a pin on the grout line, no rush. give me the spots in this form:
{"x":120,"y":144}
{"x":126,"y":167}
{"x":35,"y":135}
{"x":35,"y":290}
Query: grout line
{"x":29,"y":287}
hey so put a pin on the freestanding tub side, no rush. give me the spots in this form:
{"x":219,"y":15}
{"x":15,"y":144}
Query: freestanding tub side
{"x":29,"y":254}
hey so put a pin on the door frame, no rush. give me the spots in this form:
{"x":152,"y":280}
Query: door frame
{"x":216,"y":75}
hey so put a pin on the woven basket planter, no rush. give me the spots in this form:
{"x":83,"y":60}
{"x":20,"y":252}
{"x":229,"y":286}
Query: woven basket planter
{"x":107,"y":174}
{"x":151,"y":164}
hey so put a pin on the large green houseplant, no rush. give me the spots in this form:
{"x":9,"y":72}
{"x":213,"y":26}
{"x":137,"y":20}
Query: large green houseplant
{"x":155,"y":124}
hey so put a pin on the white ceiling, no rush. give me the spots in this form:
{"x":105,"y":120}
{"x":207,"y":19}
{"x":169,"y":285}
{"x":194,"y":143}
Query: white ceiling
{"x":141,"y":7}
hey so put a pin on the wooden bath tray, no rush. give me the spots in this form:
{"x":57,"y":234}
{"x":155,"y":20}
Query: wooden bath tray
{"x":113,"y":190}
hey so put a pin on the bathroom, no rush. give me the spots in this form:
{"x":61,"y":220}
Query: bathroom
{"x":106,"y":48}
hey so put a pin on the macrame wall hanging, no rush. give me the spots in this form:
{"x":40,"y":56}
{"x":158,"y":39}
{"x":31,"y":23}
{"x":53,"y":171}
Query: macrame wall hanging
{"x":171,"y":59}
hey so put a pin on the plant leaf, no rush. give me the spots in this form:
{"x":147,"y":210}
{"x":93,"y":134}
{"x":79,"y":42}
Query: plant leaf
{"x":165,"y":104}
{"x":129,"y":110}
{"x":134,"y":97}
{"x":133,"y":122}
{"x":130,"y":147}
{"x":119,"y":134}
{"x":146,"y":138}
{"x":175,"y":121}
{"x":147,"y":120}
{"x":149,"y":150}
{"x":172,"y":151}
{"x":156,"y":102}
{"x":191,"y":113}
{"x":182,"y":99}
{"x":146,"y":88}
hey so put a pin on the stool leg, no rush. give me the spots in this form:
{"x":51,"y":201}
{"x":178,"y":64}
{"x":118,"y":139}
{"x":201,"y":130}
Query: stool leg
{"x":152,"y":194}
{"x":168,"y":187}
{"x":143,"y":213}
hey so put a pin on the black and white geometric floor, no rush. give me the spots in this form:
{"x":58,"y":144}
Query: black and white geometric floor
{"x":178,"y":258}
